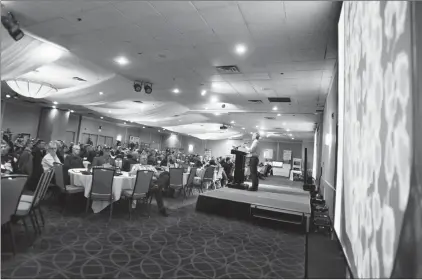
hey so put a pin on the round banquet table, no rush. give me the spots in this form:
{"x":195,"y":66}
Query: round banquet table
{"x":122,"y":182}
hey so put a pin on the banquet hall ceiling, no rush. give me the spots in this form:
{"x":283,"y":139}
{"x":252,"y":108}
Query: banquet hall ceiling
{"x":290,"y":52}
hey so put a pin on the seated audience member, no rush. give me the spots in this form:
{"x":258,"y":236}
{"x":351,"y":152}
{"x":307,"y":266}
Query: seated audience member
{"x":8,"y":161}
{"x":152,"y":159}
{"x":164,"y":161}
{"x":228,"y":168}
{"x":38,"y":152}
{"x":160,"y":182}
{"x":60,"y":150}
{"x":172,"y":163}
{"x":128,"y":162}
{"x":72,"y":161}
{"x":51,"y":157}
{"x":26,"y":159}
{"x":105,"y":160}
{"x":90,"y":153}
{"x":212,"y":162}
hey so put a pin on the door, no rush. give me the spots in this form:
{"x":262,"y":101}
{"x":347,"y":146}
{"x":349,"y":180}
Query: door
{"x":85,"y":137}
{"x":94,"y":138}
{"x":70,"y":137}
{"x":109,"y":141}
{"x":101,"y":140}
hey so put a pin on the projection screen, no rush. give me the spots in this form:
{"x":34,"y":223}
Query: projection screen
{"x":374,"y":144}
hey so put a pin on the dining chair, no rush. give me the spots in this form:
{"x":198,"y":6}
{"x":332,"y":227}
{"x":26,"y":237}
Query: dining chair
{"x":65,"y":189}
{"x":101,"y":187}
{"x":208,"y":177}
{"x":176,"y":179}
{"x":11,"y":191}
{"x":140,"y":190}
{"x":189,"y":183}
{"x":28,"y":204}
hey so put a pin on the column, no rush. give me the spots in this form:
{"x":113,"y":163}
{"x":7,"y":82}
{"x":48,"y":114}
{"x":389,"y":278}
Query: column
{"x":53,"y":123}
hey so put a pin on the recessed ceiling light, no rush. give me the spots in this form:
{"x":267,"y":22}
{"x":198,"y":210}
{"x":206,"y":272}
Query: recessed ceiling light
{"x":214,"y":99}
{"x":124,"y":123}
{"x":55,"y":103}
{"x":287,"y":129}
{"x":72,"y":111}
{"x":101,"y":118}
{"x":278,"y":115}
{"x":203,"y":92}
{"x":176,"y":90}
{"x":101,"y":93}
{"x":275,"y":108}
{"x":109,"y":111}
{"x":257,"y":126}
{"x":7,"y":96}
{"x":293,"y":138}
{"x":232,"y":122}
{"x":143,"y":127}
{"x":121,"y":60}
{"x":206,"y":108}
{"x":54,"y":107}
{"x":243,"y":128}
{"x":240,"y":49}
{"x":217,"y":114}
{"x":159,"y":131}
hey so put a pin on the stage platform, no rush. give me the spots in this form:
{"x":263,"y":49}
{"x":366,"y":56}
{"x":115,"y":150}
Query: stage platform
{"x":277,"y":203}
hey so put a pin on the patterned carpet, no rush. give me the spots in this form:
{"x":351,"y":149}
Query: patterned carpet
{"x":187,"y":244}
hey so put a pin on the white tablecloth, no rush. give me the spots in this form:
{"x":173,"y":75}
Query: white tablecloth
{"x":120,"y":183}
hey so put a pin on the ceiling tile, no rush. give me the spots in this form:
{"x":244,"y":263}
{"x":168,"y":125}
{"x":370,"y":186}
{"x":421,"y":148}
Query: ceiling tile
{"x":102,"y":17}
{"x":213,"y":5}
{"x":186,"y":23}
{"x":233,"y":77}
{"x":172,"y":8}
{"x":258,"y":76}
{"x":263,"y":11}
{"x":136,"y":10}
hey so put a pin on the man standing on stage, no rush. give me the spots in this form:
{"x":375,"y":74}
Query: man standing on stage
{"x":254,"y":161}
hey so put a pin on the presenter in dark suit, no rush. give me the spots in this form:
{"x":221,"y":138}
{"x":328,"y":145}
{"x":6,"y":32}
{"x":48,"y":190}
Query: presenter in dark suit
{"x":253,"y":154}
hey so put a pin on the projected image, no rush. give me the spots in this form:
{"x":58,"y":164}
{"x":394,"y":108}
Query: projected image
{"x":377,"y":133}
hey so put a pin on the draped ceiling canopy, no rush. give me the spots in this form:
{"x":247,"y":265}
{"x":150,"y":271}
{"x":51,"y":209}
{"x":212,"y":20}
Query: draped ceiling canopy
{"x":175,"y":49}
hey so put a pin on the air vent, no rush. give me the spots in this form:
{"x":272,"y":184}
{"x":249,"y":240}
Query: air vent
{"x":176,"y":115}
{"x":257,"y":101}
{"x":138,"y":101}
{"x":29,"y":101}
{"x":269,"y":118}
{"x":230,"y":69}
{"x":278,"y":128}
{"x":79,"y":79}
{"x":319,"y":111}
{"x":279,"y":99}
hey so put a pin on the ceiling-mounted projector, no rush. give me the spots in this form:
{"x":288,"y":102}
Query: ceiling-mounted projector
{"x":147,"y":87}
{"x":137,"y":86}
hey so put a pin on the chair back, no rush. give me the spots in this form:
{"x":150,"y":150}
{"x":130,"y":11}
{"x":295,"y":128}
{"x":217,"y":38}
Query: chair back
{"x":42,"y":186}
{"x":143,"y":181}
{"x":209,"y":173}
{"x":176,"y":177}
{"x":11,"y":191}
{"x":191,"y":176}
{"x":102,"y":180}
{"x":59,"y":176}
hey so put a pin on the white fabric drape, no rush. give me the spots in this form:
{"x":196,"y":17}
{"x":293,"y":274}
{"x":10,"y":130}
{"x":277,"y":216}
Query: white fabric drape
{"x":25,"y":55}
